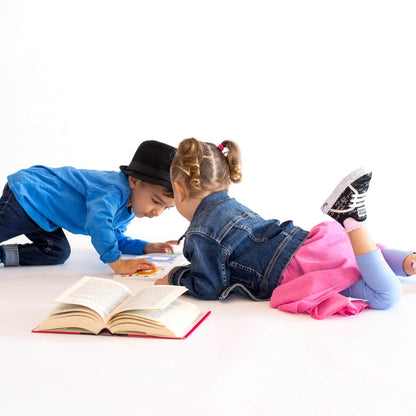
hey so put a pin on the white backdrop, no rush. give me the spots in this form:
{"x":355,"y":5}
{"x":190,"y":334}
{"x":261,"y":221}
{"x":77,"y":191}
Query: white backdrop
{"x":309,"y":89}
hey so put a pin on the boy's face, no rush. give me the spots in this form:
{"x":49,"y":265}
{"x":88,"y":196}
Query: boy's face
{"x":148,"y":200}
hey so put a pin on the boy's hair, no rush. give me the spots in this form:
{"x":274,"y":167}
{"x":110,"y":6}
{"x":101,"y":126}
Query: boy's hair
{"x":206,"y":167}
{"x":168,"y":192}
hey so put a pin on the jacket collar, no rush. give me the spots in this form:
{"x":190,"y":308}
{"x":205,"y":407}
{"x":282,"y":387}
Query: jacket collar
{"x":210,"y":200}
{"x":207,"y":203}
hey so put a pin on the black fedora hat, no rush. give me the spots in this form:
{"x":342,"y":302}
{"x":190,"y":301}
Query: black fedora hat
{"x":151,"y":163}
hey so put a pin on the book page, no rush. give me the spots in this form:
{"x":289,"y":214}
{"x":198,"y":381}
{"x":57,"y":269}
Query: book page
{"x":101,"y":295}
{"x":153,"y":297}
{"x":176,"y":320}
{"x":72,"y":318}
{"x":163,"y":262}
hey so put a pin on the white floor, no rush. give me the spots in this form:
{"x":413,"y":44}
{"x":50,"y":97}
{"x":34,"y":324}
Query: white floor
{"x":245,"y":359}
{"x":309,"y":90}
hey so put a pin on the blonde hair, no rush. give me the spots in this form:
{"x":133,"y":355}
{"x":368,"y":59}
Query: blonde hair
{"x":206,"y":167}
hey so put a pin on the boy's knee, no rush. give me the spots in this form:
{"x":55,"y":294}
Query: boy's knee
{"x":54,"y":255}
{"x":62,"y":254}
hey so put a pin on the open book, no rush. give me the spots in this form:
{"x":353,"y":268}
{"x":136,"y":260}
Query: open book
{"x":96,"y":305}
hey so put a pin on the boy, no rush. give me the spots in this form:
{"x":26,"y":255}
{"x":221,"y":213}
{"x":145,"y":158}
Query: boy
{"x":40,"y":202}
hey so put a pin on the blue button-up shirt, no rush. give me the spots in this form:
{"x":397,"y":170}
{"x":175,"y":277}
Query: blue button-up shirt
{"x":88,"y":202}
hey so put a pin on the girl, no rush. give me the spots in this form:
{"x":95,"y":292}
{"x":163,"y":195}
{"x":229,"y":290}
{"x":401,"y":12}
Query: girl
{"x":230,"y":247}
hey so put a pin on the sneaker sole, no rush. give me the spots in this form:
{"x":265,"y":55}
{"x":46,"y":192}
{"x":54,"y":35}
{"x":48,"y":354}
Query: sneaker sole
{"x":348,"y":180}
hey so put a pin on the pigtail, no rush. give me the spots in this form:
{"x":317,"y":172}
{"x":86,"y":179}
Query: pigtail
{"x":206,"y":167}
{"x":232,"y":153}
{"x":190,"y":154}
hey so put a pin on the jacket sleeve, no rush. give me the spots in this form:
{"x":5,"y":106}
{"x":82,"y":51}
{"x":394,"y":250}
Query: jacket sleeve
{"x":205,"y":277}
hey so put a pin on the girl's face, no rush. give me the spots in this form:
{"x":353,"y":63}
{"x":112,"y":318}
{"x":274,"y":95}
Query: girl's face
{"x":180,"y":200}
{"x":148,"y":200}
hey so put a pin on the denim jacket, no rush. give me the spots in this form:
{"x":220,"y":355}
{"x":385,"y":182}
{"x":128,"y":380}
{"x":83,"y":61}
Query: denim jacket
{"x":230,"y":247}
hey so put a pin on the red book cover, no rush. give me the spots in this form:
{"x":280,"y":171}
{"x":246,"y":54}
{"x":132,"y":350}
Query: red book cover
{"x":107,"y":333}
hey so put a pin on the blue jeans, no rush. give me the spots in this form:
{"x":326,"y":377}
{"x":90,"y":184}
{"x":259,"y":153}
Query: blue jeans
{"x":47,"y":248}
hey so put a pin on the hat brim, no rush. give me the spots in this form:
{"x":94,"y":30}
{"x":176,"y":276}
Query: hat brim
{"x":145,"y":178}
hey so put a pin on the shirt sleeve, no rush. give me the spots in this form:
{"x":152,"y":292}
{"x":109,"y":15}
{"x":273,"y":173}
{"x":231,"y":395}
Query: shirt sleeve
{"x":128,"y":245}
{"x":101,"y":209}
{"x":205,"y":277}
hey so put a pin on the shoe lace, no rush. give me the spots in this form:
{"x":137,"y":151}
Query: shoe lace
{"x":357,"y":199}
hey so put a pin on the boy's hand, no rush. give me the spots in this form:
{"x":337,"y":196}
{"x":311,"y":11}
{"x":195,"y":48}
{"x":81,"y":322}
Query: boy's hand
{"x":131,"y":266}
{"x":160,"y":247}
{"x":162,"y":281}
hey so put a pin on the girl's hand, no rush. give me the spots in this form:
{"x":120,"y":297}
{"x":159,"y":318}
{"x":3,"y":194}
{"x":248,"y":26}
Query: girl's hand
{"x":160,"y":247}
{"x":162,"y":281}
{"x":131,"y":266}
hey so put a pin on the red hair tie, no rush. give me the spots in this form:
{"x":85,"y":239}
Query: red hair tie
{"x":221,"y":147}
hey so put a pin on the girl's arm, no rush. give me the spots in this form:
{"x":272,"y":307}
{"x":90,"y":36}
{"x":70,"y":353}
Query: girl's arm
{"x":207,"y":276}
